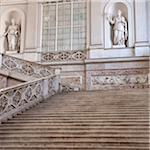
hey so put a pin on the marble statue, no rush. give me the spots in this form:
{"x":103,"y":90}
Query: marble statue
{"x":13,"y":36}
{"x":120,"y":33}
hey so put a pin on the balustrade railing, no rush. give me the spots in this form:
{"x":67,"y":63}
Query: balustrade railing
{"x":16,"y":99}
{"x":23,"y":67}
{"x":64,"y":56}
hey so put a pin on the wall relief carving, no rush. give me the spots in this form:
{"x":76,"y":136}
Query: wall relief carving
{"x":119,"y":80}
{"x":71,"y":83}
{"x":111,"y":79}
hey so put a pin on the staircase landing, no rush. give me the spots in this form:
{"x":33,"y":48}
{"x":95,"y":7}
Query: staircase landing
{"x":100,"y":120}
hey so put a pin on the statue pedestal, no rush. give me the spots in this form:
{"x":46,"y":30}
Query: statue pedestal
{"x":118,"y":46}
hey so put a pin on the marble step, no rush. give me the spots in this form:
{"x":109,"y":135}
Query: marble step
{"x":73,"y":139}
{"x":77,"y":148}
{"x":77,"y":124}
{"x":72,"y":131}
{"x":74,"y":127}
{"x":103,"y":114}
{"x":83,"y":121}
{"x":76,"y":145}
{"x":96,"y":111}
{"x":73,"y":134}
{"x":91,"y":108}
{"x":80,"y":122}
{"x":87,"y":120}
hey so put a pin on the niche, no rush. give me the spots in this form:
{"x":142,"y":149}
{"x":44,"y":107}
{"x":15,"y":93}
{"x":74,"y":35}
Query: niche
{"x":19,"y":17}
{"x":111,"y":9}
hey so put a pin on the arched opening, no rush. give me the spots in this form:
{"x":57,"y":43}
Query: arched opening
{"x":111,"y":9}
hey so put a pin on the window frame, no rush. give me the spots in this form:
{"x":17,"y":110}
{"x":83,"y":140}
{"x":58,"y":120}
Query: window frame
{"x":72,"y":26}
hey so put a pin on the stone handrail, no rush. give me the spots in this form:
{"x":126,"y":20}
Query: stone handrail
{"x":16,"y":99}
{"x":26,"y":68}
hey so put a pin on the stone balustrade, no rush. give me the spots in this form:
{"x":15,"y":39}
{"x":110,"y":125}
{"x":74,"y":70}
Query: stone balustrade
{"x":43,"y":83}
{"x":26,"y":68}
{"x":63,"y":56}
{"x":16,"y":99}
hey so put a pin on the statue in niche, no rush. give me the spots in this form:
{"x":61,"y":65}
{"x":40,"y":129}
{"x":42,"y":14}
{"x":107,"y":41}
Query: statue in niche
{"x":13,"y":36}
{"x":120,"y":32}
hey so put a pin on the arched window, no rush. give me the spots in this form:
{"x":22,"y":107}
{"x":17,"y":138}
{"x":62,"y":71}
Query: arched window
{"x":64,"y":25}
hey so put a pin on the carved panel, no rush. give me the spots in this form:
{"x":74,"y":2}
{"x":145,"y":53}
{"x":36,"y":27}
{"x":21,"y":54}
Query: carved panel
{"x":71,"y":83}
{"x":66,"y":88}
{"x":51,"y":86}
{"x":63,"y":56}
{"x":119,"y":80}
{"x":112,"y":79}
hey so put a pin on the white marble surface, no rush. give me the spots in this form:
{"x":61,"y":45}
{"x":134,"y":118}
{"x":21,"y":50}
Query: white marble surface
{"x":95,"y":29}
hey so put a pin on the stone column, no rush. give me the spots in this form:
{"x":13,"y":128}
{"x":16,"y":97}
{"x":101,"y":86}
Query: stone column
{"x":141,"y":28}
{"x":96,"y":23}
{"x":96,"y":27}
{"x":31,"y":29}
{"x":148,"y":19}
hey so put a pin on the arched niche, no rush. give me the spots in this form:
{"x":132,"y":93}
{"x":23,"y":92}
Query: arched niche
{"x":6,"y":17}
{"x":111,"y":9}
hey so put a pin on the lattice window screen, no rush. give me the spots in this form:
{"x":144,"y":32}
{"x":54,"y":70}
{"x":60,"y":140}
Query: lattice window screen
{"x":64,"y":25}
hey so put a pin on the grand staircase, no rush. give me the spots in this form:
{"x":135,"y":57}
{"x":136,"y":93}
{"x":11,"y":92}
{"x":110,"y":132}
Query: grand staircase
{"x":101,"y":120}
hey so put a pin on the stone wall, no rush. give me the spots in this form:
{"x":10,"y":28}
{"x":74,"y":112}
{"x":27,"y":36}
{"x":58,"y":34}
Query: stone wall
{"x":97,"y":37}
{"x":6,"y":81}
{"x":3,"y":81}
{"x":105,"y":74}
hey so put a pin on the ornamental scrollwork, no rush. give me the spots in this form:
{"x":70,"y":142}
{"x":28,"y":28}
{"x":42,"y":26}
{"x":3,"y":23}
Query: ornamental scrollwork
{"x":26,"y":68}
{"x":63,"y":56}
{"x":3,"y":103}
{"x":19,"y":96}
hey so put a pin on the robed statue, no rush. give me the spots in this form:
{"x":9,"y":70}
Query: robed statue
{"x":120,"y":31}
{"x":13,"y":36}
